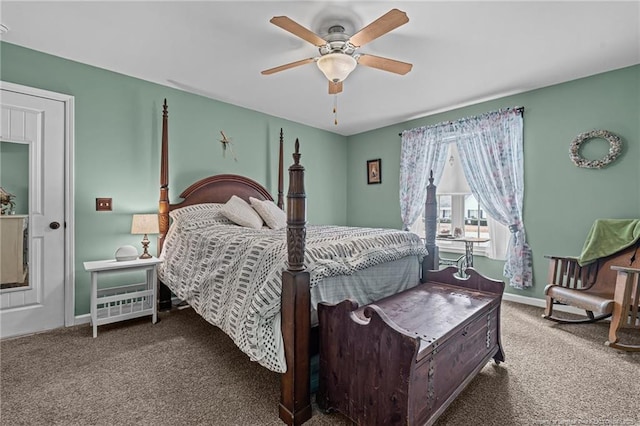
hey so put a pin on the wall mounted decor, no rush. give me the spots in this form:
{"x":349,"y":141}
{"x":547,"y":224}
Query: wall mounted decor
{"x":226,"y":144}
{"x":374,"y":171}
{"x":615,"y":147}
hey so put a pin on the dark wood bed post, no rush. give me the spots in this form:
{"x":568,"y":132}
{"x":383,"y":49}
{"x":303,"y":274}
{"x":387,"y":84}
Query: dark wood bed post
{"x":280,"y":172}
{"x":431,"y":260}
{"x":164,"y":294}
{"x":295,"y":393}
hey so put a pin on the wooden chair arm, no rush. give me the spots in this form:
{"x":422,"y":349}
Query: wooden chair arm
{"x":626,"y":269}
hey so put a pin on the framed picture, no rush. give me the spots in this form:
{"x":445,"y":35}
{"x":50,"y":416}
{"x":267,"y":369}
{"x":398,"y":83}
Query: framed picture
{"x":374,"y":169}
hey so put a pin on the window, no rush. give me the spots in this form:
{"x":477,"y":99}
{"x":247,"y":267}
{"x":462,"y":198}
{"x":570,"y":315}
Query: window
{"x":459,"y":209}
{"x":475,"y":219}
{"x":482,"y":138}
{"x":462,"y":212}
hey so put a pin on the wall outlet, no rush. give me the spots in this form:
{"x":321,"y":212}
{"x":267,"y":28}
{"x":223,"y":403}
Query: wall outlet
{"x":103,"y":204}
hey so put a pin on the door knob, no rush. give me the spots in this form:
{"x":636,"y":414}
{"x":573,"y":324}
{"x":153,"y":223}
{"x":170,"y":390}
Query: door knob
{"x":54,"y":225}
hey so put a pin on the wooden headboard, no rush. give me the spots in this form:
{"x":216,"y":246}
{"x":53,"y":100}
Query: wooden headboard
{"x":219,"y":188}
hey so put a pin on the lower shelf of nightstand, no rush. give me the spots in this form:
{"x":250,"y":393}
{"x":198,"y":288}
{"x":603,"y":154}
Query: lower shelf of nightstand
{"x":122,"y":303}
{"x":122,"y":312}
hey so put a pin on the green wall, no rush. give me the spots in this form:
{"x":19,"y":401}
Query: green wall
{"x":561,"y":200}
{"x":14,"y":175}
{"x":117,"y":150}
{"x":117,"y":140}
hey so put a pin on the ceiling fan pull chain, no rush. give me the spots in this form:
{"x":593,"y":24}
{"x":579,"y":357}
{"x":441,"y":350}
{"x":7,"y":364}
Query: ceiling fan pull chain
{"x":335,"y":109}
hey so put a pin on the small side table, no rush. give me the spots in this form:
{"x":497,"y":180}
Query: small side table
{"x":465,"y":261}
{"x":123,"y":302}
{"x":468,"y":248}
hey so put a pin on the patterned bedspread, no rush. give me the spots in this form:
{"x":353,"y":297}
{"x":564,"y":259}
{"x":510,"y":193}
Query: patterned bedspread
{"x":231,"y":275}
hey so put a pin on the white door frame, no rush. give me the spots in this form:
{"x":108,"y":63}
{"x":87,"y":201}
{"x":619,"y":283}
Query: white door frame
{"x":69,"y":233}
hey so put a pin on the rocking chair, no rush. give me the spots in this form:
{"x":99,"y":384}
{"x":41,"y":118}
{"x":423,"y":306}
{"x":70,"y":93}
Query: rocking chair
{"x":607,"y":287}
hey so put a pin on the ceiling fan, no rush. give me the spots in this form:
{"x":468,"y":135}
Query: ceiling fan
{"x":339,"y":51}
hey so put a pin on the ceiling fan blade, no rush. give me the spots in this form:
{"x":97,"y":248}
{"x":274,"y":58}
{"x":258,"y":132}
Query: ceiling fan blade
{"x":335,"y":88}
{"x":387,"y":22}
{"x":287,"y":66}
{"x":385,"y":64}
{"x":298,"y":30}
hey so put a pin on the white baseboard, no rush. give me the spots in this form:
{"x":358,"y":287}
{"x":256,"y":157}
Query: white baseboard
{"x":541,"y":303}
{"x":82,"y":319}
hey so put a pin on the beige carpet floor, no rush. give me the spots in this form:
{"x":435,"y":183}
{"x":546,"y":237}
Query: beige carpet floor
{"x":183,"y":371}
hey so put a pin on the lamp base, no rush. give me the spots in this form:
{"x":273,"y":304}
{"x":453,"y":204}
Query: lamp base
{"x":145,"y":248}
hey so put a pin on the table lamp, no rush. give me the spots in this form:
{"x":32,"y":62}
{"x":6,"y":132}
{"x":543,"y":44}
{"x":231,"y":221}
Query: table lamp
{"x":145,"y":224}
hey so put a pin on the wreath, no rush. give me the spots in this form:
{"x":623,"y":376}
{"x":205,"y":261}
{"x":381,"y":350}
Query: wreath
{"x":615,"y":147}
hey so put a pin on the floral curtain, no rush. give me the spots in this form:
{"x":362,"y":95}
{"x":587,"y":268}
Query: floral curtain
{"x":491,"y":148}
{"x":421,"y":153}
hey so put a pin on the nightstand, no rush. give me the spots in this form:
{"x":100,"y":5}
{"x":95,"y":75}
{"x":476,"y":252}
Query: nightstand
{"x":120,"y":303}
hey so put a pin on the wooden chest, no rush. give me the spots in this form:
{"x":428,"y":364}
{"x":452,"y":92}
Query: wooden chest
{"x":404,"y":359}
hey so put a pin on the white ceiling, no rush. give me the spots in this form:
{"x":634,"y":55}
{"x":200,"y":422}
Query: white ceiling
{"x":462,"y":52}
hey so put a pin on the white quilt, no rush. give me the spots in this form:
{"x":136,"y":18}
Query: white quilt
{"x":231,"y":275}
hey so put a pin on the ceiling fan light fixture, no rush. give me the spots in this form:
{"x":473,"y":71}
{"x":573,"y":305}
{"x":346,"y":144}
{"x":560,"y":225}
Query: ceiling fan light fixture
{"x":336,"y":66}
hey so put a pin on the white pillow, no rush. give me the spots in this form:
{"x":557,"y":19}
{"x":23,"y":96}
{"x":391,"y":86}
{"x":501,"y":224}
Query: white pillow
{"x":240,"y":212}
{"x":272,"y":215}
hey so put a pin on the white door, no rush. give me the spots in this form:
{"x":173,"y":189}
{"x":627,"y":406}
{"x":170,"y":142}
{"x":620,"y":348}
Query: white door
{"x":37,"y":123}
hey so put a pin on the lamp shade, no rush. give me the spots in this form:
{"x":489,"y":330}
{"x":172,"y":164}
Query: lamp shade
{"x":336,"y":66}
{"x":453,"y":180}
{"x":145,"y":224}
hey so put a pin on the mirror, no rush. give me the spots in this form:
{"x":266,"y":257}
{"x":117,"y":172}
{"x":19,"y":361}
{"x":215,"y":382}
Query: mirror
{"x":14,"y":217}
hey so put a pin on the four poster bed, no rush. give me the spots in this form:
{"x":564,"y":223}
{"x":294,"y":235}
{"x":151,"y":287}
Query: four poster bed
{"x":261,"y":285}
